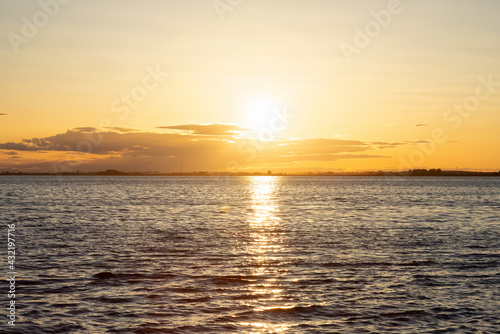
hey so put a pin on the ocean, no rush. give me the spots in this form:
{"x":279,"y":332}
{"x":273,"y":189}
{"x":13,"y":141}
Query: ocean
{"x":123,"y":254}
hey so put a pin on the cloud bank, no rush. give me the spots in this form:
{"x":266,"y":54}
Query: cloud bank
{"x":197,"y":147}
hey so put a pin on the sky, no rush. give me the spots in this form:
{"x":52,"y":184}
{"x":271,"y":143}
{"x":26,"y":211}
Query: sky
{"x":249,"y":85}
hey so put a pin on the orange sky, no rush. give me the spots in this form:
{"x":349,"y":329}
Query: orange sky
{"x":285,"y":85}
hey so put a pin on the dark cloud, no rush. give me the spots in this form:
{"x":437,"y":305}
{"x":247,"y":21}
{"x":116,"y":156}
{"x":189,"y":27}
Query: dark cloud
{"x":12,"y":153}
{"x":17,"y":146}
{"x":420,"y":125}
{"x":3,"y":114}
{"x":215,"y":129}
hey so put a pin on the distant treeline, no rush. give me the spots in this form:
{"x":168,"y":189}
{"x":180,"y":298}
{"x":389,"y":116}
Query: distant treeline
{"x":411,"y":172}
{"x":439,"y":172}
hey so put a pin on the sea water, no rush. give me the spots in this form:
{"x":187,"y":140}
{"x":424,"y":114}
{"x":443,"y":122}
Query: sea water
{"x":253,"y":254}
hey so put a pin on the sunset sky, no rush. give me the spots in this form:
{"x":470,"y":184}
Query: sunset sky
{"x":222,"y":85}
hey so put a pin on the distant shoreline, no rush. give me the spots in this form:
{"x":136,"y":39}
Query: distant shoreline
{"x":412,"y":173}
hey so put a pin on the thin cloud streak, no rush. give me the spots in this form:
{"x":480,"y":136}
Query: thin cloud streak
{"x":214,"y":129}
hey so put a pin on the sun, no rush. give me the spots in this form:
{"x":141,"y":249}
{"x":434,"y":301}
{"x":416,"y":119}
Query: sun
{"x":260,"y":113}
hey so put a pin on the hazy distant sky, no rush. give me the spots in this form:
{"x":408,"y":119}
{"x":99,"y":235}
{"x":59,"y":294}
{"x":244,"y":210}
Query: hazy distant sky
{"x":385,"y":103}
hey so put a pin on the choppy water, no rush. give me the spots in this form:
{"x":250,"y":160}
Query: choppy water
{"x":254,"y":254}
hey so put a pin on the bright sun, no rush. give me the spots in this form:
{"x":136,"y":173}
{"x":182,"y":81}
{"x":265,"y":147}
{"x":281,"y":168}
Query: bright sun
{"x":260,"y":113}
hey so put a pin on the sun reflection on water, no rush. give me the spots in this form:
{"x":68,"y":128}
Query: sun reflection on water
{"x":266,"y":247}
{"x":263,"y":221}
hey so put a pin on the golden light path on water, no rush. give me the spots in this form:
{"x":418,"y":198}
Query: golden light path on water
{"x":267,"y":247}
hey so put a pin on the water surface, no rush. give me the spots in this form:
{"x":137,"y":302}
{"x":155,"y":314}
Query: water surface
{"x":255,"y":254}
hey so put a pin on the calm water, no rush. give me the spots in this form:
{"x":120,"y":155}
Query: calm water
{"x":254,"y":254}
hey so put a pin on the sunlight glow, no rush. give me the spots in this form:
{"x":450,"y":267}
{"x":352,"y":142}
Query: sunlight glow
{"x":260,"y":113}
{"x":259,"y":327}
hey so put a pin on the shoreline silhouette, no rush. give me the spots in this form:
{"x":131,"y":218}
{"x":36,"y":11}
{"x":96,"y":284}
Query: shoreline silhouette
{"x":411,"y":172}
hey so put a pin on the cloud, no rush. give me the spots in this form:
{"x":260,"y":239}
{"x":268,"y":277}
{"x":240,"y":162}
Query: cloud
{"x":17,"y":147}
{"x":85,"y":129}
{"x":314,"y":157}
{"x":119,"y":129}
{"x":420,"y":125}
{"x":385,"y":144}
{"x":214,"y":129}
{"x":3,"y":114}
{"x":414,"y":142}
{"x":205,"y":147}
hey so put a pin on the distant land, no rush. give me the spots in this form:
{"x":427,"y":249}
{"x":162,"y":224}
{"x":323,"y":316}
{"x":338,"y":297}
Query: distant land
{"x":411,"y":172}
